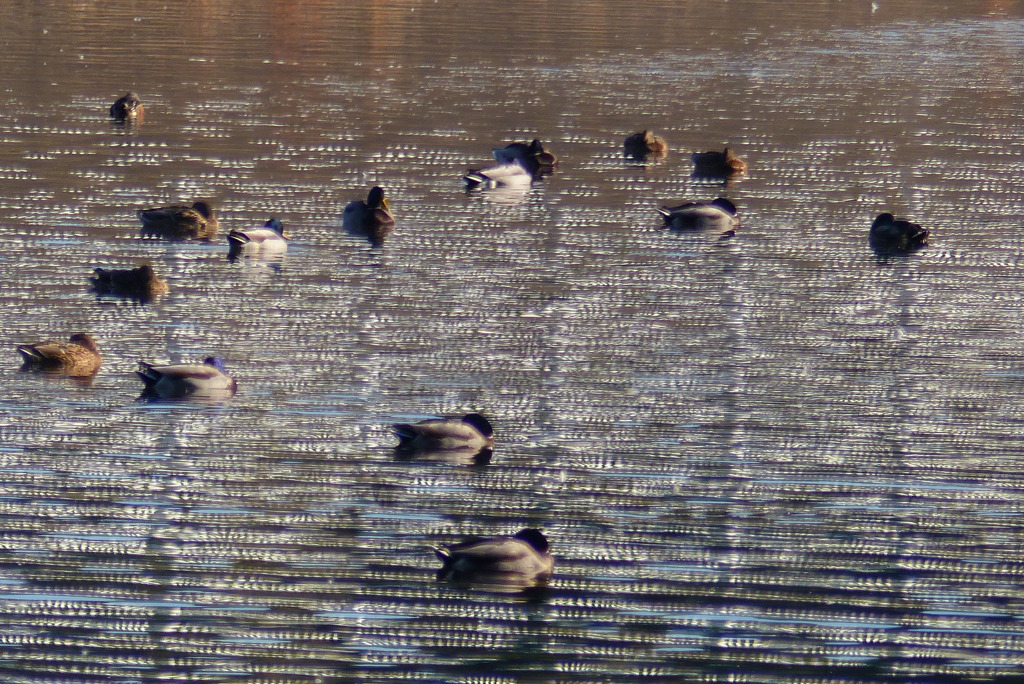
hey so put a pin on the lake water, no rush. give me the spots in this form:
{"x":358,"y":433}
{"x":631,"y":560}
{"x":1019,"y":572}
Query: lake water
{"x":772,"y":458}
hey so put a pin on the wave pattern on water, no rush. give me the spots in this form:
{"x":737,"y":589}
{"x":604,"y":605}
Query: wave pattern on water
{"x":770,"y":457}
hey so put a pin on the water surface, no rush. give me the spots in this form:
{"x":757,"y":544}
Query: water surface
{"x":770,"y":457}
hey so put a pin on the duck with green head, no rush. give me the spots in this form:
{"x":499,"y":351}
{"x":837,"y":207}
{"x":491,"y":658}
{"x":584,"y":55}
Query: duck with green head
{"x":472,"y":432}
{"x":533,"y":156}
{"x":524,"y":554}
{"x":503,"y":175}
{"x":268,"y":240}
{"x":718,"y":214}
{"x":890,"y":234}
{"x":370,"y":218}
{"x":79,"y":356}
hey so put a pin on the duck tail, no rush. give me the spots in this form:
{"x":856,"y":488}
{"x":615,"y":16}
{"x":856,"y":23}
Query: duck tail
{"x":473,"y":178}
{"x":666,"y":213}
{"x":404,"y":432}
{"x":146,"y":373}
{"x":237,"y":238}
{"x":102,"y":278}
{"x":445,"y":557}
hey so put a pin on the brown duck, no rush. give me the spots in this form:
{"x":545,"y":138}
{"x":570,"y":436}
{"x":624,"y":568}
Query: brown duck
{"x":79,"y":356}
{"x":644,"y":144}
{"x":127,"y":108}
{"x":724,"y":164}
{"x":141,"y":283}
{"x":180,"y":222}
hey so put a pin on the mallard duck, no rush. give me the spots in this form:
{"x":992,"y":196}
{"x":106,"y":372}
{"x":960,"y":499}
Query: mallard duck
{"x":180,"y":222}
{"x":472,"y":432}
{"x":644,"y":144}
{"x":517,"y":151}
{"x":534,"y":157}
{"x":719,"y":213}
{"x":141,"y":283}
{"x":506,"y":175}
{"x":724,"y":164}
{"x":270,"y":239}
{"x":525,"y":553}
{"x":79,"y":356}
{"x":370,"y":218}
{"x":127,"y":108}
{"x":891,"y":234}
{"x":182,"y":380}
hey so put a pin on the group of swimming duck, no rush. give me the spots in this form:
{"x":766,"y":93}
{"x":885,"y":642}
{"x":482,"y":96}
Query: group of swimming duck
{"x":524,"y":555}
{"x":520,"y":558}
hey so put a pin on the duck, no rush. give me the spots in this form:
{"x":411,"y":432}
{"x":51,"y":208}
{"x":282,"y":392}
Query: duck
{"x":891,"y":234}
{"x":270,"y":239}
{"x":534,"y":157}
{"x":79,"y":356}
{"x":644,"y":144}
{"x":127,"y":108}
{"x":524,"y":554}
{"x":471,"y":432}
{"x":724,"y":164}
{"x":180,"y":222}
{"x":181,"y":380}
{"x":369,"y":218}
{"x":719,"y":213}
{"x":141,"y":283}
{"x":502,"y":175}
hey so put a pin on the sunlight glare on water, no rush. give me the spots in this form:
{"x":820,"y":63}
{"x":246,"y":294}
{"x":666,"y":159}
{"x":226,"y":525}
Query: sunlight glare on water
{"x":767,"y":457}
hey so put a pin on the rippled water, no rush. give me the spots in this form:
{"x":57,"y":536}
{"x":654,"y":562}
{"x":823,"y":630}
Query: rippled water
{"x":770,"y":458}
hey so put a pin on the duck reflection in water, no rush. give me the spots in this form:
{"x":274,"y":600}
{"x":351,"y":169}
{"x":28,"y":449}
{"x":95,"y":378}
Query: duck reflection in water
{"x":370,"y":218}
{"x":516,"y":562}
{"x":454,"y":457}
